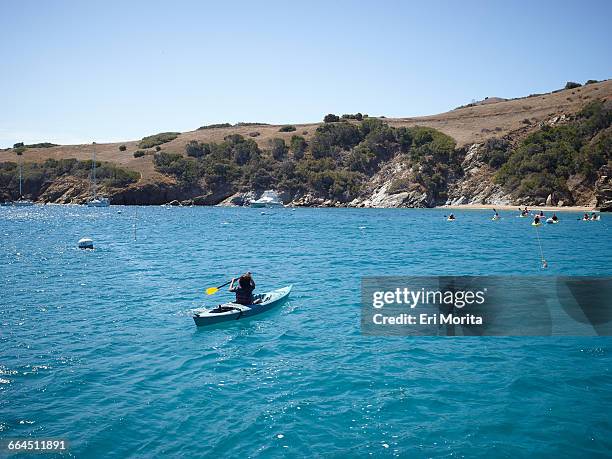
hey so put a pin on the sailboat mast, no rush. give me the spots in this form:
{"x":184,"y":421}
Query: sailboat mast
{"x":94,"y":173}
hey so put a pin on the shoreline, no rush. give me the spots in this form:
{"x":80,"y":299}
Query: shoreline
{"x":515,"y":208}
{"x":503,"y":207}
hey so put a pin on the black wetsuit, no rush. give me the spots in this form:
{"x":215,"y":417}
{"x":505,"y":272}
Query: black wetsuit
{"x":244,"y":294}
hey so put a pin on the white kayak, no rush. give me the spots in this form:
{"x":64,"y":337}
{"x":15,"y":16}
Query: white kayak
{"x":233,"y":311}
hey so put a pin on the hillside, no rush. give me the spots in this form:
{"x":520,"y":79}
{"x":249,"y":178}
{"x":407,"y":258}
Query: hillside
{"x":469,"y":127}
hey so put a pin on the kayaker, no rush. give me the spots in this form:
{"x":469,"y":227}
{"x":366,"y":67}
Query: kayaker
{"x":243,"y":289}
{"x":586,"y":216}
{"x":451,"y":217}
{"x":536,"y":220}
{"x":594,"y":216}
{"x":554,"y":217}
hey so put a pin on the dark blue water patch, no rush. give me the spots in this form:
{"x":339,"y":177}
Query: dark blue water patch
{"x":99,"y":346}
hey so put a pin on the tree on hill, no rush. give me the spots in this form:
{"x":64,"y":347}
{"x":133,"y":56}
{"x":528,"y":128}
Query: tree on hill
{"x":278,"y":149}
{"x":331,"y":118}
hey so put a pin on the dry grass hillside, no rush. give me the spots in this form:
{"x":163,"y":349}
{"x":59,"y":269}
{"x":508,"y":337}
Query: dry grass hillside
{"x":466,"y":125}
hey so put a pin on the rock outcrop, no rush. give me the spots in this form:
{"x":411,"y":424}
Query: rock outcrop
{"x":476,"y":185}
{"x":603,"y":189}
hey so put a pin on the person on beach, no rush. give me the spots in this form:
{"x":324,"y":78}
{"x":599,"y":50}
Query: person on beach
{"x":243,"y":288}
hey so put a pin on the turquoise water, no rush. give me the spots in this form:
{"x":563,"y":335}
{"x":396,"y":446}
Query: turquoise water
{"x":98,"y":347}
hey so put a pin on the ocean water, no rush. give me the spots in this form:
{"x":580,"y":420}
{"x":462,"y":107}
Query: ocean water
{"x":98,"y":347}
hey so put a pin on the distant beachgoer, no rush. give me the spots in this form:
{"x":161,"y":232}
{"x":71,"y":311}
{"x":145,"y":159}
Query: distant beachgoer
{"x":244,"y":289}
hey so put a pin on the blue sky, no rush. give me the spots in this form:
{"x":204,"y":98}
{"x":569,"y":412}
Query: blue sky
{"x":76,"y":72}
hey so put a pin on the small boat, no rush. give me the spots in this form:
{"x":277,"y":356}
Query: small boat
{"x":96,"y":201}
{"x":23,"y":203}
{"x":233,"y":311}
{"x":550,"y":221}
{"x":269,"y":198}
{"x":85,"y":243}
{"x":497,"y":217}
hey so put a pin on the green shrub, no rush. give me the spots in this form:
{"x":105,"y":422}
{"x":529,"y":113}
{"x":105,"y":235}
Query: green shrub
{"x":288,"y":128}
{"x":591,"y":82}
{"x":399,"y":185}
{"x":254,"y":134}
{"x":122,"y":148}
{"x":157,"y":139}
{"x":571,"y":85}
{"x":278,"y":149}
{"x":139,"y":153}
{"x":331,"y":118}
{"x":298,"y":146}
{"x":157,"y":148}
{"x":42,"y":145}
{"x":197,"y":149}
{"x":356,"y":116}
{"x":39,"y":176}
{"x":330,"y":139}
{"x":18,"y":145}
{"x":215,"y":126}
{"x":544,"y":160}
{"x":184,"y":169}
{"x":496,"y":152}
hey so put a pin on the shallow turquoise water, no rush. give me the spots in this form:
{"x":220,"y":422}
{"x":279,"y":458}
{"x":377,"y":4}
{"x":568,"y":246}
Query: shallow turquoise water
{"x":98,"y":346}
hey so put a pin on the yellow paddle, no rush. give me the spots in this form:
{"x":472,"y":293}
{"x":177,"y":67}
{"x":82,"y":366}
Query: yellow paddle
{"x":213,"y":290}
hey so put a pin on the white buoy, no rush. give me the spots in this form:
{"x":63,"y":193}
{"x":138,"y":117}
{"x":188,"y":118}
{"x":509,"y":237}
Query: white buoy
{"x":85,"y":243}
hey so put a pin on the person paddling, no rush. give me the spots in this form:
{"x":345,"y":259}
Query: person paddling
{"x":243,"y":289}
{"x":536,"y":220}
{"x":451,"y":217}
{"x":554,"y":217}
